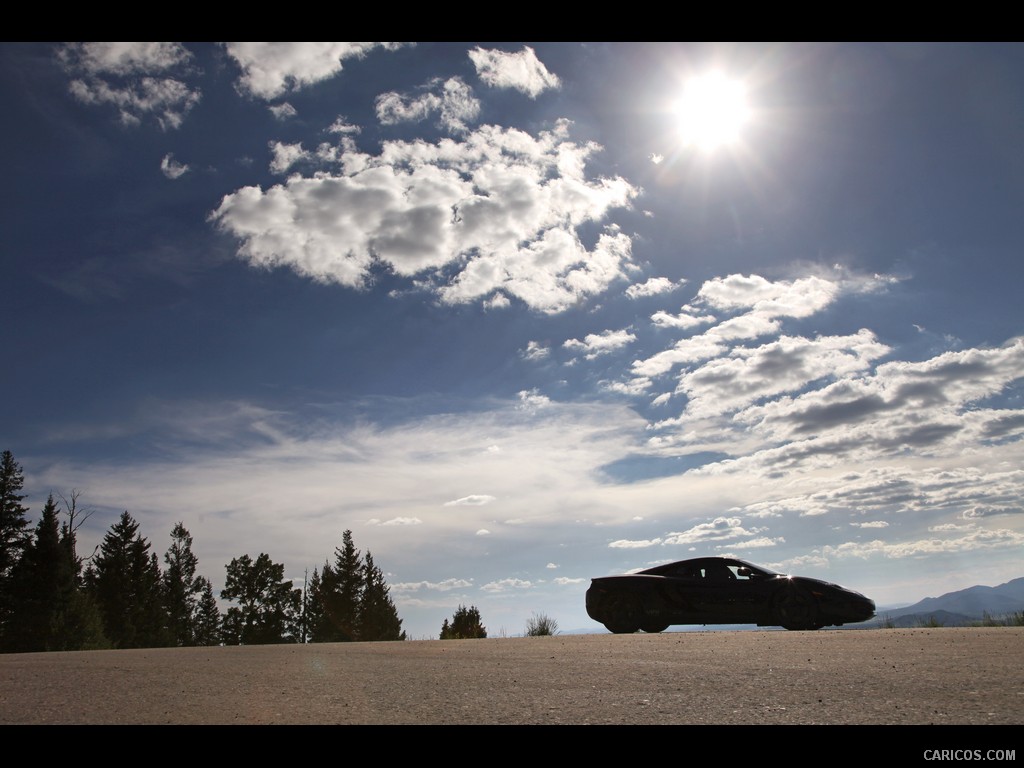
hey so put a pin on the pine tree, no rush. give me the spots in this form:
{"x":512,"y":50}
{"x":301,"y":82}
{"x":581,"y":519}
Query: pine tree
{"x":341,"y":589}
{"x":465,"y":624}
{"x":124,"y":579}
{"x":40,"y":585}
{"x":378,"y":618}
{"x":14,"y":535}
{"x":207,"y":621}
{"x":268,"y":606}
{"x":181,"y":587}
{"x":312,"y":607}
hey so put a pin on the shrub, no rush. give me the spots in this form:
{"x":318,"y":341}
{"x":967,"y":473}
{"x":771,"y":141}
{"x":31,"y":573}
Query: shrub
{"x":540,"y":624}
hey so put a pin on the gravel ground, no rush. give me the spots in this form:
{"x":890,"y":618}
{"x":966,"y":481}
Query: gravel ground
{"x":943,"y":676}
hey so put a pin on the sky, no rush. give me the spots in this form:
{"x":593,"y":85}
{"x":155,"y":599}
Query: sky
{"x":519,"y":315}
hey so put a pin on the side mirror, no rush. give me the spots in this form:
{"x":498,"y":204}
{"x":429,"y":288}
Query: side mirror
{"x":746,"y":573}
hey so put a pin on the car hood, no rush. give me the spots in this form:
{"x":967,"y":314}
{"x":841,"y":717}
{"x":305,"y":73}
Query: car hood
{"x":828,"y":586}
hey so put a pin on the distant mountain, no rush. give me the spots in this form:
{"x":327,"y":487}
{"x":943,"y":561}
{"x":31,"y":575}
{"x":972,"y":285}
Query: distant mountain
{"x":965,"y":606}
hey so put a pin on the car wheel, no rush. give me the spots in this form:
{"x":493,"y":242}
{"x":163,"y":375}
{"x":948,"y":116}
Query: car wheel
{"x":654,"y":628}
{"x":624,"y":612}
{"x":796,"y":610}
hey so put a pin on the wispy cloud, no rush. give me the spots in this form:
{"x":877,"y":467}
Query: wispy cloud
{"x":138,"y":79}
{"x":171,"y":168}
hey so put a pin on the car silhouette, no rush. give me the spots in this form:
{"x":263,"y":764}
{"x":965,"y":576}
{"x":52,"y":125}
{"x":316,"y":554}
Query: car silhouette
{"x":720,"y":590}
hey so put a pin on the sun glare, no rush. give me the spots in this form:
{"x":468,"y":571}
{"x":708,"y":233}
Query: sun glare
{"x":712,"y":111}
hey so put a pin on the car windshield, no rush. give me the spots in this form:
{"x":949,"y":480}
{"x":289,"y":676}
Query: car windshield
{"x":712,"y":570}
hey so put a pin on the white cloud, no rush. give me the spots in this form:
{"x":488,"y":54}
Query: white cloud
{"x":532,"y":401}
{"x":134,"y":78}
{"x":683,"y":320}
{"x":473,"y":500}
{"x":563,"y":581}
{"x":522,"y":71}
{"x":171,"y":168}
{"x":652,"y":287}
{"x":270,"y":69}
{"x":447,"y":585}
{"x":871,"y":524}
{"x":403,"y":521}
{"x":483,"y":532}
{"x":124,"y":58}
{"x":500,"y":206}
{"x":604,"y":343}
{"x":719,"y":529}
{"x":285,"y":156}
{"x":283,"y":111}
{"x":342,"y":126}
{"x":785,"y":365}
{"x":535,"y":351}
{"x":452,"y":100}
{"x":634,"y":544}
{"x":551,"y":565}
{"x":504,"y":585}
{"x":760,"y":543}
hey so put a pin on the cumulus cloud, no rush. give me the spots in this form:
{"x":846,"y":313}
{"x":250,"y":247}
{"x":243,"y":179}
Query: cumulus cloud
{"x":493,"y":214}
{"x":563,"y":581}
{"x":403,"y":521}
{"x":473,"y":500}
{"x":171,"y":168}
{"x":285,"y":156}
{"x":451,"y":100}
{"x":719,"y":529}
{"x":652,"y":287}
{"x":271,"y":69}
{"x":597,"y":344}
{"x":871,"y":524}
{"x":522,"y":71}
{"x":139,"y":79}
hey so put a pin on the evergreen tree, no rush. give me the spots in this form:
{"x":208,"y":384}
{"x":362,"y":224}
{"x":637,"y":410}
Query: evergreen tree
{"x":124,"y":579}
{"x":312,"y":607}
{"x":181,"y":587}
{"x":268,"y":606}
{"x":378,"y":618}
{"x":13,"y":534}
{"x":341,"y":589}
{"x":207,"y":620}
{"x":465,"y":624}
{"x":40,"y":587}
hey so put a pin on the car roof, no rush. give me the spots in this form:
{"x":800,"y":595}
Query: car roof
{"x":704,"y":562}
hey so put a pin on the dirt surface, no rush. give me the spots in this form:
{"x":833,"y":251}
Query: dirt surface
{"x":942,"y":676}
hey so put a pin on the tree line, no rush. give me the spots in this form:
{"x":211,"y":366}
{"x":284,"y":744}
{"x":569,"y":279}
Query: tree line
{"x":52,"y":599}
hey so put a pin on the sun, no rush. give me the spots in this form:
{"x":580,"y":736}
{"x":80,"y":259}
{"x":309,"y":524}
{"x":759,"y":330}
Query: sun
{"x":712,"y":111}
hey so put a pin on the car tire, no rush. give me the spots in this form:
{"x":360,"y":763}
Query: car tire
{"x":623,"y":612}
{"x":796,"y":610}
{"x":654,"y":629}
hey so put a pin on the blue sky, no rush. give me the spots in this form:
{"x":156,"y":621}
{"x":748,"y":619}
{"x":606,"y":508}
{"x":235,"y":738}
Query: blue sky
{"x":491,"y":307}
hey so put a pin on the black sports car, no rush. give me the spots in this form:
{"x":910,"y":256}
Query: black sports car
{"x":720,"y":590}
